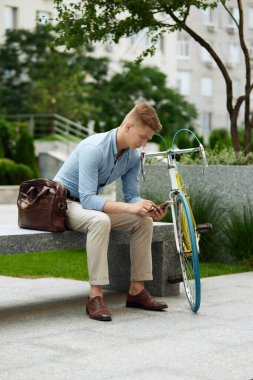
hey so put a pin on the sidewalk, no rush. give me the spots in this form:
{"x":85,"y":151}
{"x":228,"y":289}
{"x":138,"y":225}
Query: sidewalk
{"x":8,"y":214}
{"x":46,"y":335}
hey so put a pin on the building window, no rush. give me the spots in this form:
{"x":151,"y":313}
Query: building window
{"x":208,"y":16}
{"x":109,"y":45}
{"x":231,"y":26}
{"x":250,"y":17}
{"x":235,"y":12}
{"x":236,"y":88}
{"x":233,"y":55}
{"x":10,"y":17}
{"x":207,"y":58}
{"x":206,"y":86}
{"x":250,"y":47}
{"x":183,"y":82}
{"x":206,"y":123}
{"x":162,"y":43}
{"x":148,"y":39}
{"x":183,"y":46}
{"x":43,"y":17}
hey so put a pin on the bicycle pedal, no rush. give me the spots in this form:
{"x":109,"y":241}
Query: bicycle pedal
{"x":175,"y":279}
{"x":204,"y":228}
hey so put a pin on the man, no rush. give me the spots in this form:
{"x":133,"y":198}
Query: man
{"x":96,"y":162}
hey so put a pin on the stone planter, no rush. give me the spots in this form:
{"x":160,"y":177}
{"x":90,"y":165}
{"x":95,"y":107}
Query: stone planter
{"x":9,"y":194}
{"x":233,"y":184}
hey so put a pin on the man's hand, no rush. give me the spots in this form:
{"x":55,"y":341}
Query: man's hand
{"x":158,"y":212}
{"x":144,"y":207}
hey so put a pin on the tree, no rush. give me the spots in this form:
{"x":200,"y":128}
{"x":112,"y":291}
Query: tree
{"x":21,"y":49}
{"x":36,"y":75}
{"x":114,"y":97}
{"x":90,"y":21}
{"x":7,"y":137}
{"x":25,"y":150}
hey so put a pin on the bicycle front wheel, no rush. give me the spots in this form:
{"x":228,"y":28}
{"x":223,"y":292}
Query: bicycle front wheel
{"x":188,"y":251}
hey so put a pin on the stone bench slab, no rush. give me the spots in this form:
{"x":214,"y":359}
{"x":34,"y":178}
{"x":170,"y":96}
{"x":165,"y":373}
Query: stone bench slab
{"x":15,"y":240}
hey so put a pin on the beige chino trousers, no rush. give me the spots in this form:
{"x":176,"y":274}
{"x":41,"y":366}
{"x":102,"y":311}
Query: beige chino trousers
{"x":97,"y":225}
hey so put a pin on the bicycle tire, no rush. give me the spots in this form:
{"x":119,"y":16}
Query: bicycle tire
{"x":188,"y":251}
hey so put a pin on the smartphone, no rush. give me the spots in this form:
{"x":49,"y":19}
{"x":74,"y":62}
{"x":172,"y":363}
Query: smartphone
{"x":164,"y":204}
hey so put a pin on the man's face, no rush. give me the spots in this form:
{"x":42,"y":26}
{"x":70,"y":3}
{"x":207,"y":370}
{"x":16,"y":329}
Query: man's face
{"x":138,"y":136}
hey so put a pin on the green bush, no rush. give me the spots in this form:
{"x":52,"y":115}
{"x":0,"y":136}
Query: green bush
{"x":12,"y":173}
{"x":237,"y":233}
{"x":25,"y":152}
{"x":226,"y":156}
{"x":219,"y":139}
{"x":7,"y":139}
{"x":183,"y":141}
{"x":207,"y":208}
{"x":231,"y":239}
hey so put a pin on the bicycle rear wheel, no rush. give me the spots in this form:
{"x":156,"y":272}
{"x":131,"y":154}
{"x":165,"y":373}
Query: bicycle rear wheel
{"x":188,"y":252}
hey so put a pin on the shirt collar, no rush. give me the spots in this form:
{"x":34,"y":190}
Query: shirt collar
{"x":114,"y":145}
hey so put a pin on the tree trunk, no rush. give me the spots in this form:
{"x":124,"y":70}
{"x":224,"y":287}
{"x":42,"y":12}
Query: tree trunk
{"x":234,"y":130}
{"x":247,"y":124}
{"x":248,"y":127}
{"x":248,"y":132}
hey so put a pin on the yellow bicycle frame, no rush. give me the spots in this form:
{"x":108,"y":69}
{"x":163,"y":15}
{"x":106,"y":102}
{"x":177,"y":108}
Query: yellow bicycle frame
{"x":183,"y":219}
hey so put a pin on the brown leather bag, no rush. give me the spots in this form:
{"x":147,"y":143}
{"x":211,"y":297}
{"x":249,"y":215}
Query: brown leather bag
{"x":42,"y":205}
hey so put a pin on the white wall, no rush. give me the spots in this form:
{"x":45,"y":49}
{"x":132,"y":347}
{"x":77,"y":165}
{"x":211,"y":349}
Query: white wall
{"x":26,"y":12}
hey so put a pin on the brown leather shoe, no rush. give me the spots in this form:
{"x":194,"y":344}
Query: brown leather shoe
{"x":143,"y":300}
{"x":97,"y":309}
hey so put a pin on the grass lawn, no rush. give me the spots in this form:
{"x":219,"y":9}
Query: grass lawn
{"x":73,"y":264}
{"x":62,"y":263}
{"x":219,"y":269}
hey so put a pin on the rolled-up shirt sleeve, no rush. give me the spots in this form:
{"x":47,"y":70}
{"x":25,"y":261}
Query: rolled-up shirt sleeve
{"x":90,"y":159}
{"x":130,"y":184}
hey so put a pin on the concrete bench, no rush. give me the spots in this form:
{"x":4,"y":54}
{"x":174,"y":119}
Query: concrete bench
{"x":165,"y":258}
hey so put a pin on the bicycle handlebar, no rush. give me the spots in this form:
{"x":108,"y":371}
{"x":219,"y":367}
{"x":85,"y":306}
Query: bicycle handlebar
{"x":170,"y":151}
{"x":174,"y":151}
{"x":203,"y":154}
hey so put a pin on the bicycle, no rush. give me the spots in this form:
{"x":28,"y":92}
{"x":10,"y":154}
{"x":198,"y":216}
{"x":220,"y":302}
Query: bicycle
{"x":187,"y":233}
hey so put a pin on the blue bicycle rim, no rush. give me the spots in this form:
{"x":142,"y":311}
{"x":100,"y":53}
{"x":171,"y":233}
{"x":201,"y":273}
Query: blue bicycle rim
{"x":195,"y":259}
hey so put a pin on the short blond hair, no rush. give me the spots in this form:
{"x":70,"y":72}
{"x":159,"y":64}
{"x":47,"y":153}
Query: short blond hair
{"x":145,"y":114}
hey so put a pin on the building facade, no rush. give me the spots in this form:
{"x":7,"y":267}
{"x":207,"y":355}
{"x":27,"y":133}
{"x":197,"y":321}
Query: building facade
{"x":23,"y":14}
{"x":188,"y":67}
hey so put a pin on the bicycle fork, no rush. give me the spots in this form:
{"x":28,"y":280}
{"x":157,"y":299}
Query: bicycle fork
{"x":178,"y":278}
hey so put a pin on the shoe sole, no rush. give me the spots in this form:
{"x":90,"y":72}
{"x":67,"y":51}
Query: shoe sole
{"x":100,"y":318}
{"x":154,"y":308}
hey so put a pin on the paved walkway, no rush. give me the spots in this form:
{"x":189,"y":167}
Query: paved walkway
{"x":8,"y":214}
{"x":46,"y":335}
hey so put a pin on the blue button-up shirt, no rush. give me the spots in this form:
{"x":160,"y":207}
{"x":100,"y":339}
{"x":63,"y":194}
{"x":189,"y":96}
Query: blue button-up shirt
{"x":93,"y":164}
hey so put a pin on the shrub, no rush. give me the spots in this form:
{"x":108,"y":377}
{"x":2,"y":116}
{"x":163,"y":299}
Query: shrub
{"x":238,"y":233}
{"x":12,"y":173}
{"x":25,"y":152}
{"x":219,"y":139}
{"x":7,"y":138}
{"x":183,"y":141}
{"x":207,"y":209}
{"x":226,"y":156}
